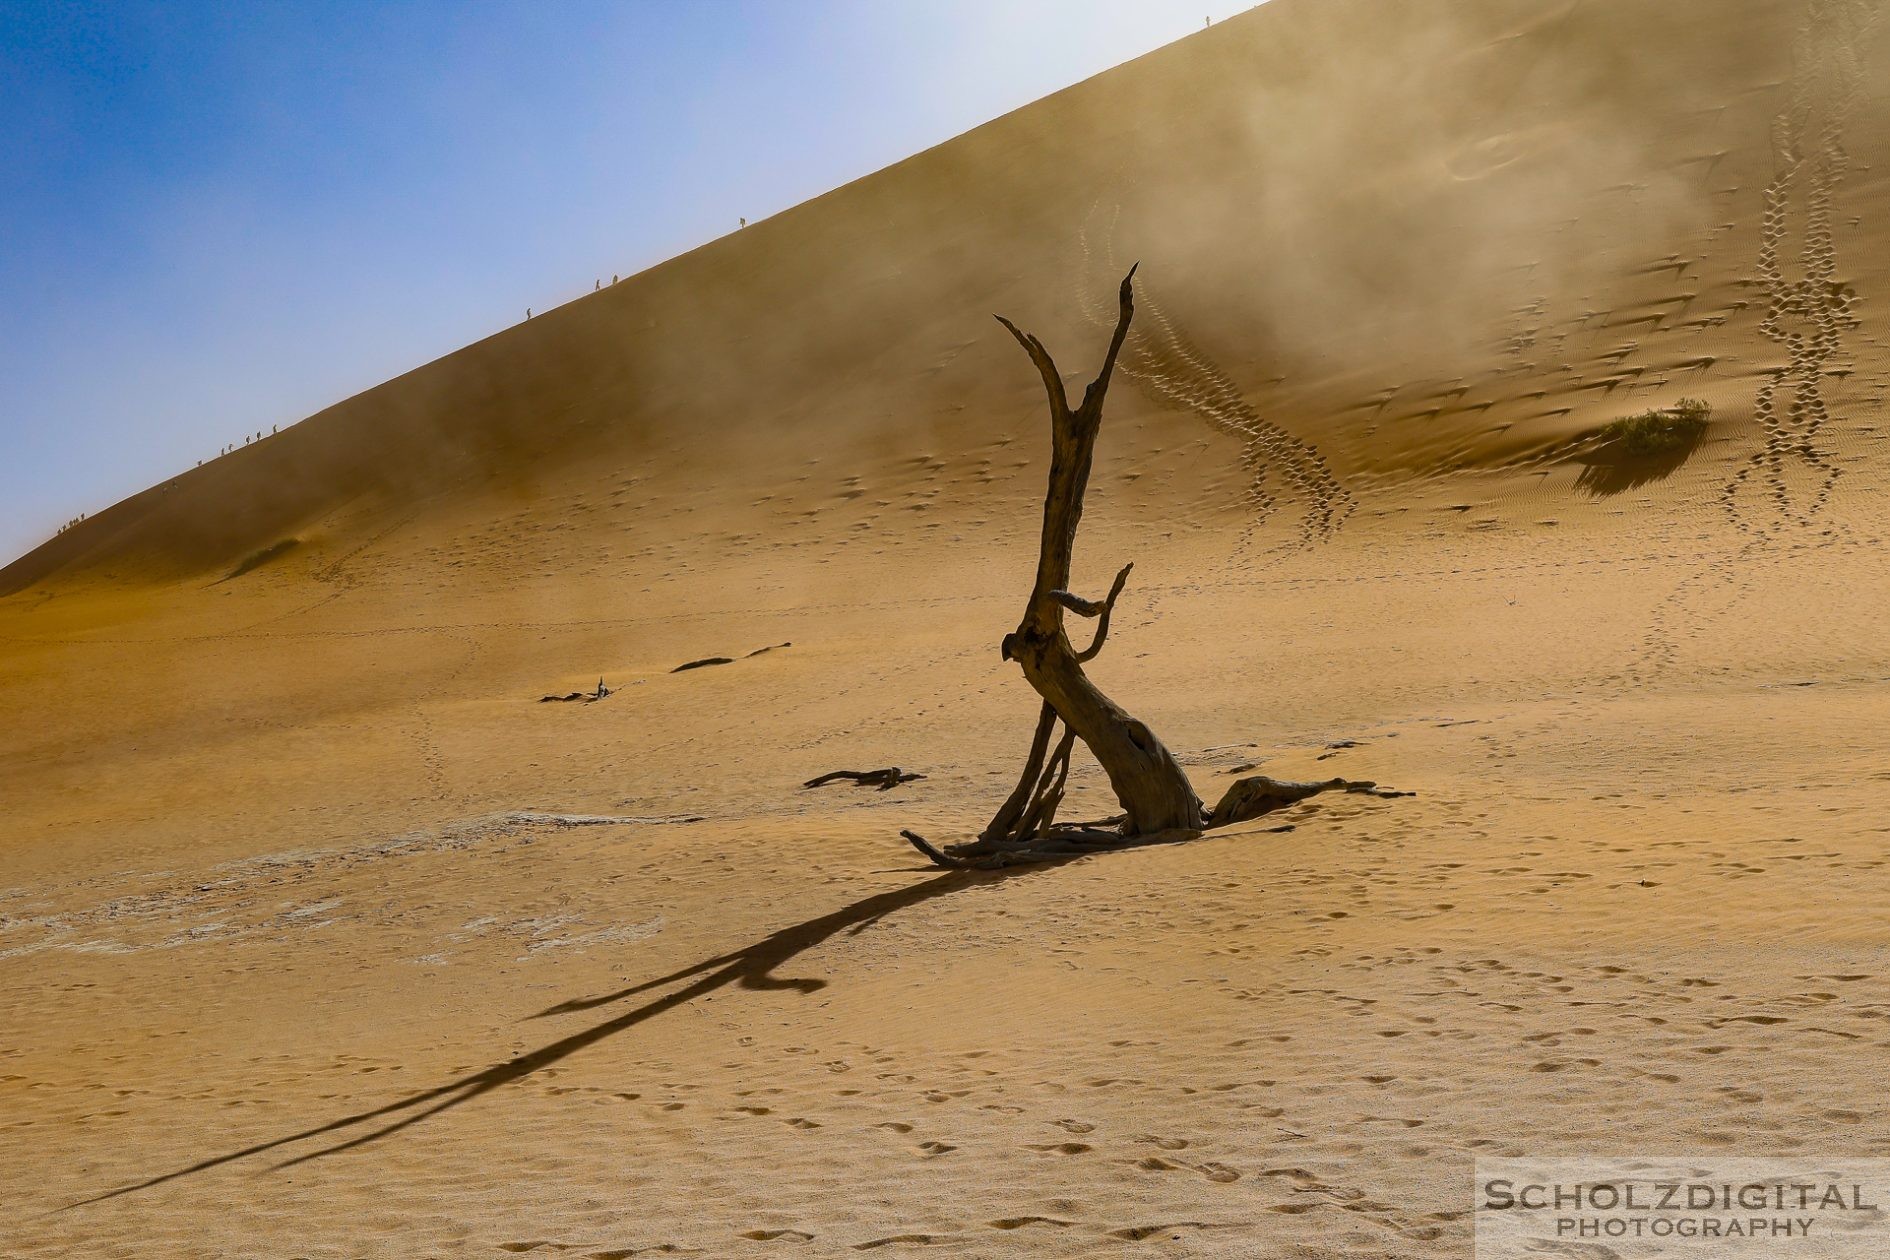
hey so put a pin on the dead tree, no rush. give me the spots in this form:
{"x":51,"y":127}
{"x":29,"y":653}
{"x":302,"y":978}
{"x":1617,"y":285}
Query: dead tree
{"x":1158,"y":802}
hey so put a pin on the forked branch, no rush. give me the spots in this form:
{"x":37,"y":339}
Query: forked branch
{"x":1046,"y":367}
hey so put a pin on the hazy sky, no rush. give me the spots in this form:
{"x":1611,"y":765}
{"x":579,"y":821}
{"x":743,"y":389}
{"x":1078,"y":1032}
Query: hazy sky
{"x":216,"y":217}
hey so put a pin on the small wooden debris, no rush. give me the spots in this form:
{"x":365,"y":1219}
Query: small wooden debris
{"x":587,"y":697}
{"x":885,"y":780}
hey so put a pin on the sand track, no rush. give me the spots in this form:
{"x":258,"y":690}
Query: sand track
{"x":1808,"y":310}
{"x":1172,"y":369}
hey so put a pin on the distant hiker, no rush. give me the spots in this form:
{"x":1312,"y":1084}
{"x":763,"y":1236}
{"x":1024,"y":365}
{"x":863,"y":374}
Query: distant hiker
{"x":272,"y":430}
{"x":743,"y":222}
{"x":597,"y":286}
{"x":613,"y":277}
{"x":528,"y":312}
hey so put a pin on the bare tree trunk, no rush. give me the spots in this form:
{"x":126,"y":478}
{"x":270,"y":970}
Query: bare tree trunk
{"x":1148,"y":781}
{"x":1158,"y":802}
{"x":1146,"y":777}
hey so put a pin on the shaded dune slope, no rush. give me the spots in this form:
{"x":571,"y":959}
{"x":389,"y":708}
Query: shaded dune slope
{"x":1335,"y":198}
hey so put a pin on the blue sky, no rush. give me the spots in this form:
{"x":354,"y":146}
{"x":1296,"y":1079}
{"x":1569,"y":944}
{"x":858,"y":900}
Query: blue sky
{"x":218,"y":217}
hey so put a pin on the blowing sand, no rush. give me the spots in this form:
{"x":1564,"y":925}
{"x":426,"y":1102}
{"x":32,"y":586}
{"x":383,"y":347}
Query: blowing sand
{"x":321,"y":936}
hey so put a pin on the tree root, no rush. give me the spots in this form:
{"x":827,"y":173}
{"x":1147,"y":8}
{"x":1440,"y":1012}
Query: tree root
{"x":885,"y":780}
{"x":1250,"y":798}
{"x":1056,"y":845}
{"x":1245,"y":800}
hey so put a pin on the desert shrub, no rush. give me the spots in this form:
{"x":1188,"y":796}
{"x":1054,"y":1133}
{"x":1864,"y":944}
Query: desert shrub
{"x":1659,"y":432}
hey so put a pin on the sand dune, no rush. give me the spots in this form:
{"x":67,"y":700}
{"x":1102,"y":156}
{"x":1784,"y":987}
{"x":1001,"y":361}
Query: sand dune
{"x":321,"y":936}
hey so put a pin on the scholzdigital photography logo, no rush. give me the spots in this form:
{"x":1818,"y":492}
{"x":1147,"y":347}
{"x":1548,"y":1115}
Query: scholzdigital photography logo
{"x":1650,"y":1207}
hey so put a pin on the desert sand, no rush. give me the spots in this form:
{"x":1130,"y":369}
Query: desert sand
{"x":322,"y":936}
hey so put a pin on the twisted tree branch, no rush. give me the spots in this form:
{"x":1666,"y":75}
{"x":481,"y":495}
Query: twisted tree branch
{"x":1108,"y":608}
{"x":1046,"y":367}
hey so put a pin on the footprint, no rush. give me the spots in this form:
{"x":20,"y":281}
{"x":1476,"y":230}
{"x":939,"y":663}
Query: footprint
{"x":1136,"y":1233}
{"x":921,"y":1239}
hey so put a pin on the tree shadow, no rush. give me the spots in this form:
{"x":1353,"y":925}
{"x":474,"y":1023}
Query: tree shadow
{"x":749,"y":968}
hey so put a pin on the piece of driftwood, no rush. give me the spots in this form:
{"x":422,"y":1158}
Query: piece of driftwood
{"x":885,"y":780}
{"x":587,"y":697}
{"x":1250,"y":798}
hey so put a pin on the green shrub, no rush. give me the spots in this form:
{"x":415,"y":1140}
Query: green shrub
{"x":1659,"y":432}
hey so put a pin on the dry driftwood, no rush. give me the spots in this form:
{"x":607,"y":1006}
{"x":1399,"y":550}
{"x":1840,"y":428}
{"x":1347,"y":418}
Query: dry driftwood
{"x":1250,"y":798}
{"x":884,"y":780}
{"x":588,"y":697}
